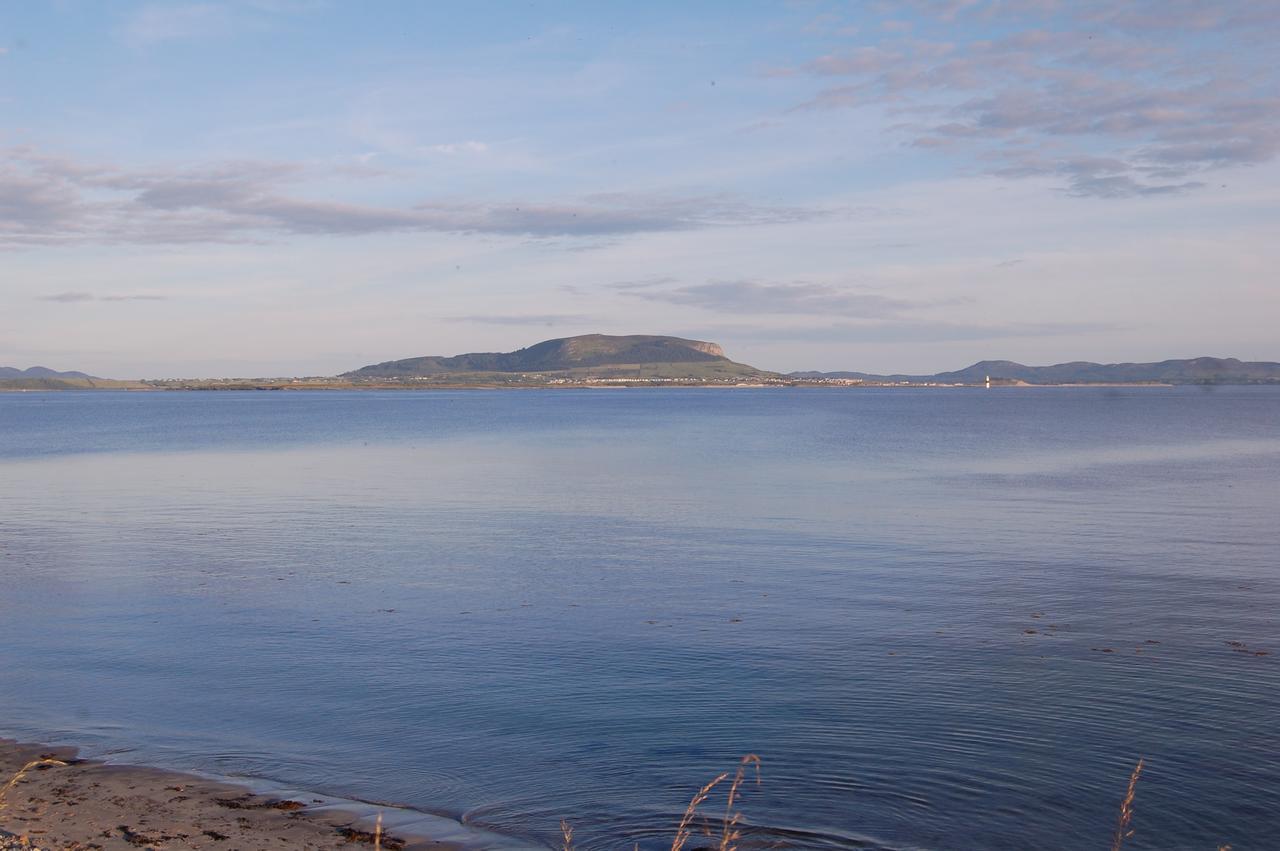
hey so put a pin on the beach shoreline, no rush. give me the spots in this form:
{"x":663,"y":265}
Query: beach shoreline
{"x":85,"y":804}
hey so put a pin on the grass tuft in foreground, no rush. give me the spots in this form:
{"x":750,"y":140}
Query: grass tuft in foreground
{"x":730,"y":830}
{"x":723,"y":832}
{"x":22,"y":772}
{"x":1123,"y":831}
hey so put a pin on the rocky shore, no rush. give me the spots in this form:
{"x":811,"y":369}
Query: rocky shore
{"x":11,"y":842}
{"x":69,"y":804}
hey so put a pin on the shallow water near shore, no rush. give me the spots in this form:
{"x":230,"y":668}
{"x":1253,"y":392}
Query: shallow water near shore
{"x":943,"y":618}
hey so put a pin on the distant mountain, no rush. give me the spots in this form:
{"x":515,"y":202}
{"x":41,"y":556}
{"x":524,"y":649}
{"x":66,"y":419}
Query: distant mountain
{"x":641,"y":354}
{"x":38,"y":372}
{"x":43,"y":378}
{"x":1188,"y":371}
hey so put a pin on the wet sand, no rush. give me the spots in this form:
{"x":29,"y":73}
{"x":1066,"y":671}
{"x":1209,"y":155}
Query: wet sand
{"x":91,"y":805}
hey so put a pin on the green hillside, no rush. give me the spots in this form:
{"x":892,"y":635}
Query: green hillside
{"x":1186,"y":371}
{"x":637,"y":356}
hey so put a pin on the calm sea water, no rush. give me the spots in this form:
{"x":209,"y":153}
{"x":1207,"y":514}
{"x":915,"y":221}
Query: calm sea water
{"x":943,"y":619}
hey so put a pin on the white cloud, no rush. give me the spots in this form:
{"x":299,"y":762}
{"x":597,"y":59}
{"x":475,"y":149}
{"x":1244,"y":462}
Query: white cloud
{"x":453,"y":148}
{"x":168,"y":22}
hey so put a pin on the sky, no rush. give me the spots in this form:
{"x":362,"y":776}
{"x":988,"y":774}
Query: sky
{"x":302,"y":187}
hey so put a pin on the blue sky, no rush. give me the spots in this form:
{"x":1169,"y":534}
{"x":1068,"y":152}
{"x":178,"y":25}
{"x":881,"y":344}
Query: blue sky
{"x":278,"y":187}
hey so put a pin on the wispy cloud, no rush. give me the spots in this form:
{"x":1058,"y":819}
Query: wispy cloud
{"x":49,"y":199}
{"x":68,"y":297}
{"x":75,"y":297}
{"x":158,"y":23}
{"x":455,"y":148}
{"x":912,"y":331}
{"x":1117,"y":100}
{"x":642,"y":283}
{"x":770,"y":299}
{"x":167,"y":22}
{"x":549,"y":319}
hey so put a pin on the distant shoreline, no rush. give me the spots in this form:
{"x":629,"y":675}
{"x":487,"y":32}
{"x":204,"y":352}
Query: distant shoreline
{"x":291,"y":385}
{"x":642,"y":360}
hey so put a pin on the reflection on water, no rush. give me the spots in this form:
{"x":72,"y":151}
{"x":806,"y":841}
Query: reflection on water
{"x":944,"y":620}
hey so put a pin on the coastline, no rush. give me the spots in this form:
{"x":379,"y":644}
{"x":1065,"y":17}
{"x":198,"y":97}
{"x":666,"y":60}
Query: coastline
{"x":91,"y":804}
{"x":606,"y":384}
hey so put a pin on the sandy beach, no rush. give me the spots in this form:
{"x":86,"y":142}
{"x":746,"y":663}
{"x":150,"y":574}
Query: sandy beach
{"x":86,"y":804}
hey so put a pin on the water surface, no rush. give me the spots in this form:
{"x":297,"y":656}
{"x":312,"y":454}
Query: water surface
{"x":944,"y":619}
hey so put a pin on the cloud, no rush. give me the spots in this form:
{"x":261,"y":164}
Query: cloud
{"x":68,"y":297}
{"x":168,"y":22}
{"x":1161,"y":89}
{"x":454,"y":148}
{"x":899,"y":332}
{"x":157,"y":23}
{"x":642,"y":283}
{"x":76,"y":297}
{"x":757,"y":298}
{"x":49,"y":199}
{"x":532,"y":319}
{"x":31,"y":205}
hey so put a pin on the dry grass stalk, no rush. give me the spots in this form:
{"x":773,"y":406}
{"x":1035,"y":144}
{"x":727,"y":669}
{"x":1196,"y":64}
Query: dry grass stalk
{"x":377,"y":834}
{"x":567,"y":832}
{"x":730,"y":832}
{"x":1123,"y":831}
{"x":691,"y":812}
{"x":22,"y":772}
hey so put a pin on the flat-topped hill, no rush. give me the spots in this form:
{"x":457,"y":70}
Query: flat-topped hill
{"x":644,"y":355}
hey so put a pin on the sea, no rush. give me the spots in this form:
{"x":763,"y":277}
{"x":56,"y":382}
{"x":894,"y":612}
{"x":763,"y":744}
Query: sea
{"x":942,"y":618}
